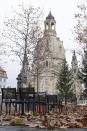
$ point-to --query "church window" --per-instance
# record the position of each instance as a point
(46, 82)
(4, 80)
(74, 70)
(4, 86)
(52, 26)
(46, 63)
(47, 26)
(0, 88)
(0, 79)
(46, 85)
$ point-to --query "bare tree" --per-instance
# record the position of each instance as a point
(22, 31)
(81, 27)
(81, 38)
(37, 64)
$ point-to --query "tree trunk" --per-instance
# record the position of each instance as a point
(37, 80)
(65, 100)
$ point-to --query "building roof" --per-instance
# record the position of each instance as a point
(3, 73)
(1, 69)
(50, 16)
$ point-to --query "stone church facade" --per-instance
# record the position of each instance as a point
(48, 57)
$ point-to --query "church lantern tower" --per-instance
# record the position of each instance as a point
(50, 25)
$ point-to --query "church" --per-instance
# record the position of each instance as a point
(49, 55)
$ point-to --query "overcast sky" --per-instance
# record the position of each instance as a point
(62, 10)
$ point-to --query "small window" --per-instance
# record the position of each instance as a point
(4, 86)
(74, 70)
(0, 88)
(52, 26)
(46, 82)
(0, 79)
(4, 80)
(46, 85)
(46, 63)
(47, 26)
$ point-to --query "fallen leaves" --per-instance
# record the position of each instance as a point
(75, 118)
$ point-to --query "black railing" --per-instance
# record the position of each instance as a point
(27, 99)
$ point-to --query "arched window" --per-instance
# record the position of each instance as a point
(46, 63)
(47, 26)
(74, 70)
(52, 26)
(46, 85)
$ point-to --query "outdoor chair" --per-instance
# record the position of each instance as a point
(40, 102)
(60, 105)
(52, 102)
(8, 98)
(26, 98)
(29, 99)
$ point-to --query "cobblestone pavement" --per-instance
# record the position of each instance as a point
(37, 129)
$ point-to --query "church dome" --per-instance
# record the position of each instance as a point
(50, 16)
